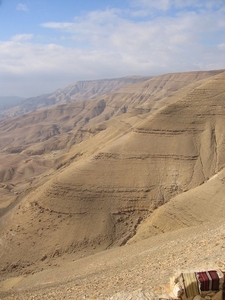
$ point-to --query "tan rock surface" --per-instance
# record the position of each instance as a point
(139, 270)
(153, 170)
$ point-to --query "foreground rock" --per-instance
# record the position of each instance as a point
(139, 270)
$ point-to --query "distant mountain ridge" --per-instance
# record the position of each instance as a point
(40, 131)
(81, 90)
(9, 101)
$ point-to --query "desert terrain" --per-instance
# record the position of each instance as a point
(107, 188)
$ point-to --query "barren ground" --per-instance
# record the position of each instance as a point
(107, 198)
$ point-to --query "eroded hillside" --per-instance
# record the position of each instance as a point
(84, 176)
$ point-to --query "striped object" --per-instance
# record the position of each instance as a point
(191, 285)
(197, 282)
(208, 280)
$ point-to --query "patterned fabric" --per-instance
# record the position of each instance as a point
(191, 285)
(209, 280)
(196, 282)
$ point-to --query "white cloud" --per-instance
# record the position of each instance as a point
(159, 4)
(110, 30)
(22, 37)
(22, 7)
(222, 46)
(57, 25)
(113, 43)
(167, 4)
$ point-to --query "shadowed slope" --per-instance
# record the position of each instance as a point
(198, 206)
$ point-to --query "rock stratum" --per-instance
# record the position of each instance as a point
(138, 167)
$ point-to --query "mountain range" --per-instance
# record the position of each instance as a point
(105, 166)
(81, 90)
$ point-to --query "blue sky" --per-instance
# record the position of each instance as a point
(45, 45)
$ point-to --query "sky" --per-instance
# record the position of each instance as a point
(49, 44)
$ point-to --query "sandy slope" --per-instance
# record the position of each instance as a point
(205, 203)
(139, 271)
(103, 191)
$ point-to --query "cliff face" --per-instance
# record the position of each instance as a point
(123, 169)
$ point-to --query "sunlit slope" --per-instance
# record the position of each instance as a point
(33, 143)
(119, 176)
(151, 94)
(178, 149)
(99, 200)
(199, 117)
(205, 203)
(40, 142)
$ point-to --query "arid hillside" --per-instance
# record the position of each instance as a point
(140, 162)
(81, 90)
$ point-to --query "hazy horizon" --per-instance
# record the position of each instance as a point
(45, 47)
